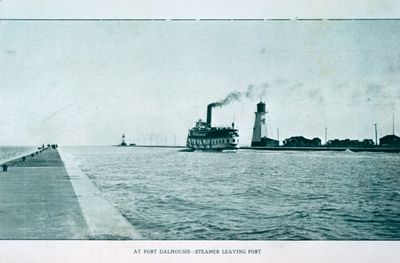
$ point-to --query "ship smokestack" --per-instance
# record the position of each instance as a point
(251, 93)
(209, 114)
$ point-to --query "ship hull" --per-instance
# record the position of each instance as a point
(206, 138)
(209, 144)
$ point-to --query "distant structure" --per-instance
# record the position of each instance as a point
(123, 142)
(390, 141)
(300, 141)
(366, 143)
(260, 138)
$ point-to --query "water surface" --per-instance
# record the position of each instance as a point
(259, 195)
(9, 152)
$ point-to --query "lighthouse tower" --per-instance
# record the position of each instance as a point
(260, 128)
(123, 142)
(260, 136)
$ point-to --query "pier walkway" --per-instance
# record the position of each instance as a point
(39, 199)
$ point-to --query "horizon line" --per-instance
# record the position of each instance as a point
(202, 19)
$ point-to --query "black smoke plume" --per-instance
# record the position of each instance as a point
(252, 92)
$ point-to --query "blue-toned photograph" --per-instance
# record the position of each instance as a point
(200, 129)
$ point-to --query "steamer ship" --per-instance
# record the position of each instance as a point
(205, 137)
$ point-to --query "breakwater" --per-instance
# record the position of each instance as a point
(285, 148)
(323, 148)
(154, 146)
(41, 200)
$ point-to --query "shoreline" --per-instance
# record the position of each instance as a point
(45, 196)
(283, 148)
(103, 219)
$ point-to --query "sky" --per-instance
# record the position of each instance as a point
(87, 82)
(199, 8)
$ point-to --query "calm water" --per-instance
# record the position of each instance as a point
(9, 152)
(168, 194)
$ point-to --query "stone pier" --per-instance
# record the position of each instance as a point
(39, 199)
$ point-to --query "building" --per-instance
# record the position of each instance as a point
(267, 142)
(300, 141)
(391, 141)
(366, 143)
(260, 137)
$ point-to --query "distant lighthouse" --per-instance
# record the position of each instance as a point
(123, 142)
(260, 129)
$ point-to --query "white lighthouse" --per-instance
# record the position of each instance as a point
(123, 142)
(260, 128)
(260, 136)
